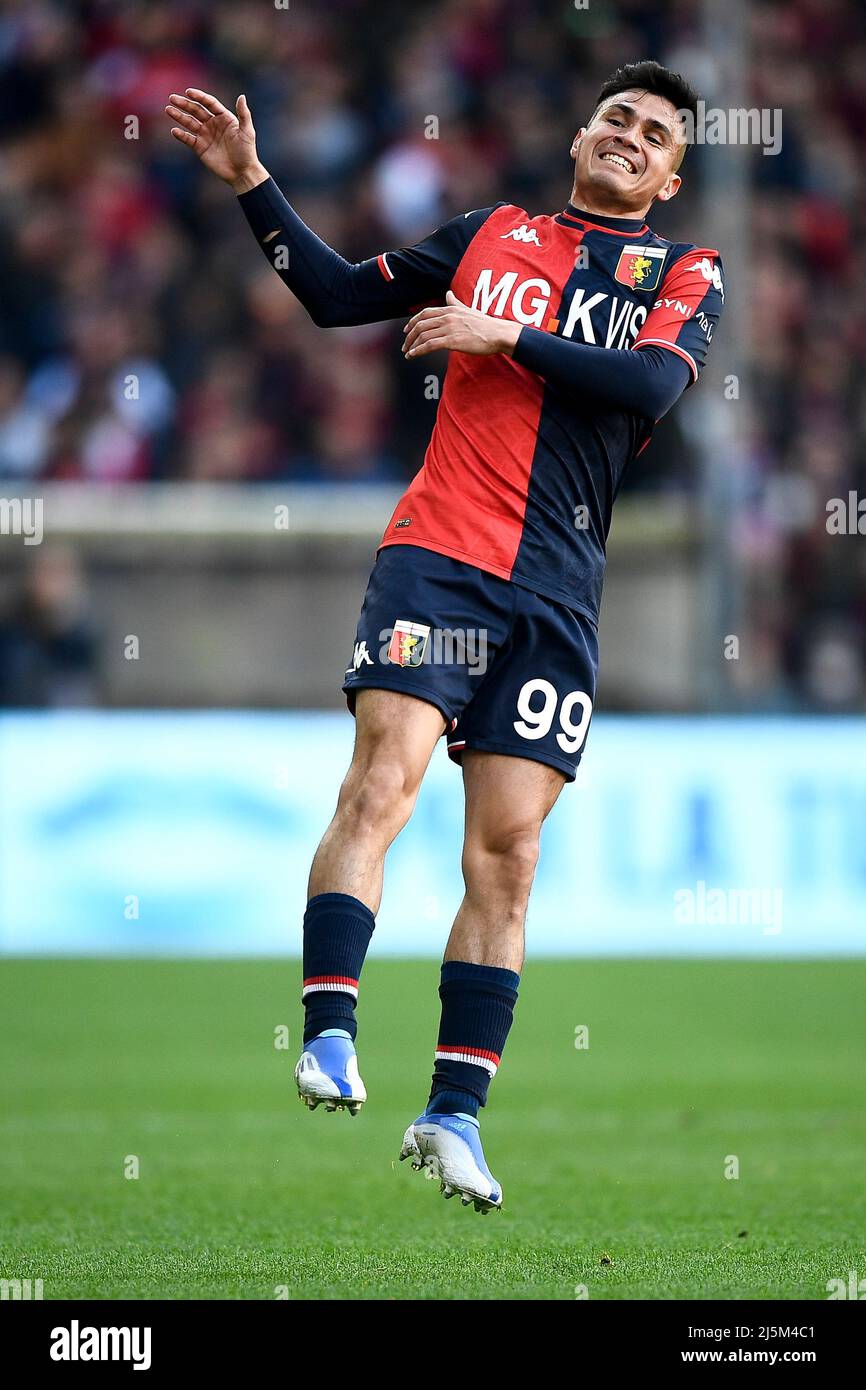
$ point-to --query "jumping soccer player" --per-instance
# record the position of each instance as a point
(570, 336)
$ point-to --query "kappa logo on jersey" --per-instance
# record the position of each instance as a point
(528, 235)
(408, 643)
(710, 272)
(640, 267)
(359, 657)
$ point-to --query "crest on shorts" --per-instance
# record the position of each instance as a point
(408, 643)
(640, 267)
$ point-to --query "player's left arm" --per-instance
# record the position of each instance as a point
(673, 342)
(689, 305)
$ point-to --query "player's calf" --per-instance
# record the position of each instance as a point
(395, 737)
(477, 1010)
(337, 932)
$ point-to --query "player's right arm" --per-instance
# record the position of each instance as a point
(335, 292)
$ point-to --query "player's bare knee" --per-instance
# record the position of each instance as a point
(504, 860)
(377, 799)
(519, 861)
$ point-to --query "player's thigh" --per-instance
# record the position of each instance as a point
(507, 798)
(397, 732)
(395, 735)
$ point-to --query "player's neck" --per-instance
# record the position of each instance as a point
(602, 208)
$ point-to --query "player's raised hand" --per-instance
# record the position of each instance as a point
(225, 141)
(455, 326)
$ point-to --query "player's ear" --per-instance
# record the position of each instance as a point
(670, 189)
(575, 144)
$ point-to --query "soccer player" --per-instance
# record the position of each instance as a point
(570, 335)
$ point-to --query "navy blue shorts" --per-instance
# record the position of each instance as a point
(511, 672)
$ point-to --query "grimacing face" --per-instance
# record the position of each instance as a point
(628, 154)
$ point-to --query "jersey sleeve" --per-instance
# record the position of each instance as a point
(339, 293)
(690, 304)
(646, 385)
(425, 271)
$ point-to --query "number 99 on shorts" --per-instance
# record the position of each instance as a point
(541, 709)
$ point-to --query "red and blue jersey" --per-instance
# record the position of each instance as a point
(520, 475)
(529, 450)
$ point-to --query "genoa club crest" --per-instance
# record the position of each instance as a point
(408, 643)
(640, 267)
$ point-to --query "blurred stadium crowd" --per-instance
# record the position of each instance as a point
(122, 262)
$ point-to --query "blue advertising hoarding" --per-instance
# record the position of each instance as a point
(192, 833)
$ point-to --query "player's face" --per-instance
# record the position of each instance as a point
(627, 156)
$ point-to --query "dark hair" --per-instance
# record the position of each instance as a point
(650, 76)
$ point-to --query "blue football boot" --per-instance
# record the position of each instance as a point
(327, 1073)
(448, 1147)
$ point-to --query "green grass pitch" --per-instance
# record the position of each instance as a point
(612, 1157)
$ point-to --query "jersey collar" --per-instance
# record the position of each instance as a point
(620, 226)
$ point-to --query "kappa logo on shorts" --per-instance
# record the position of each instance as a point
(408, 643)
(360, 656)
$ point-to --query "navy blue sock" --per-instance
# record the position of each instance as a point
(477, 1011)
(337, 931)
